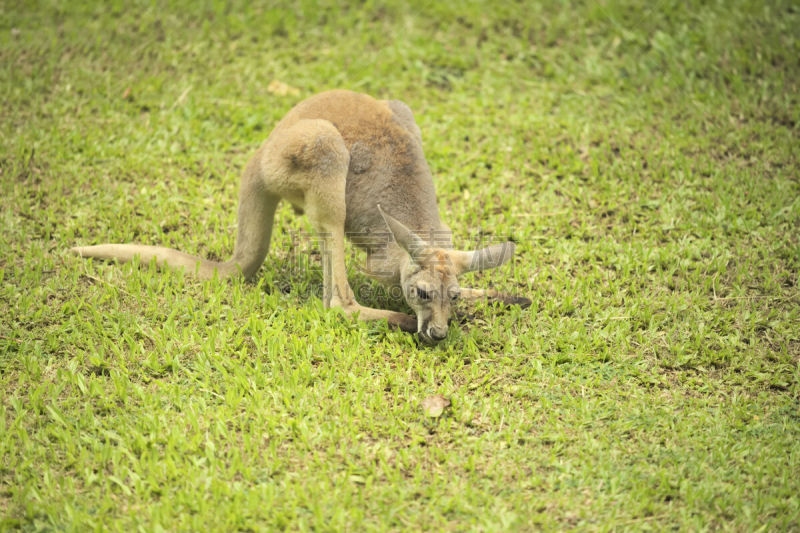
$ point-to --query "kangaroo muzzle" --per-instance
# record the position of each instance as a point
(432, 334)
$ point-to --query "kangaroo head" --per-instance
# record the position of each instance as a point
(429, 277)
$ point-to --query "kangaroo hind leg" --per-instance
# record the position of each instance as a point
(318, 162)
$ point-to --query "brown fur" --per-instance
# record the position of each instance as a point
(338, 157)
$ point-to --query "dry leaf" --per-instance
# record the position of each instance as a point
(435, 405)
(282, 89)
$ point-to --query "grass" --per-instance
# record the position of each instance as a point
(643, 155)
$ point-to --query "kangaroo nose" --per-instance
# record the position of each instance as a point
(437, 334)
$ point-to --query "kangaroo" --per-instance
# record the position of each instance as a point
(355, 166)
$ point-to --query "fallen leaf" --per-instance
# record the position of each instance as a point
(282, 89)
(435, 405)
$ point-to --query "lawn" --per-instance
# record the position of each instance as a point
(643, 155)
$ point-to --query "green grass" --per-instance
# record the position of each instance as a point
(643, 155)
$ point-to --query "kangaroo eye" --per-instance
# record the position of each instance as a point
(455, 296)
(423, 295)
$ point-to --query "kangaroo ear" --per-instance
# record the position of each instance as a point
(406, 238)
(490, 257)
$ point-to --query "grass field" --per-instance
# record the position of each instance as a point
(643, 155)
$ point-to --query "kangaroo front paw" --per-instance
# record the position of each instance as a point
(509, 299)
(403, 321)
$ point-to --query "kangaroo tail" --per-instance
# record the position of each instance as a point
(256, 213)
(202, 268)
